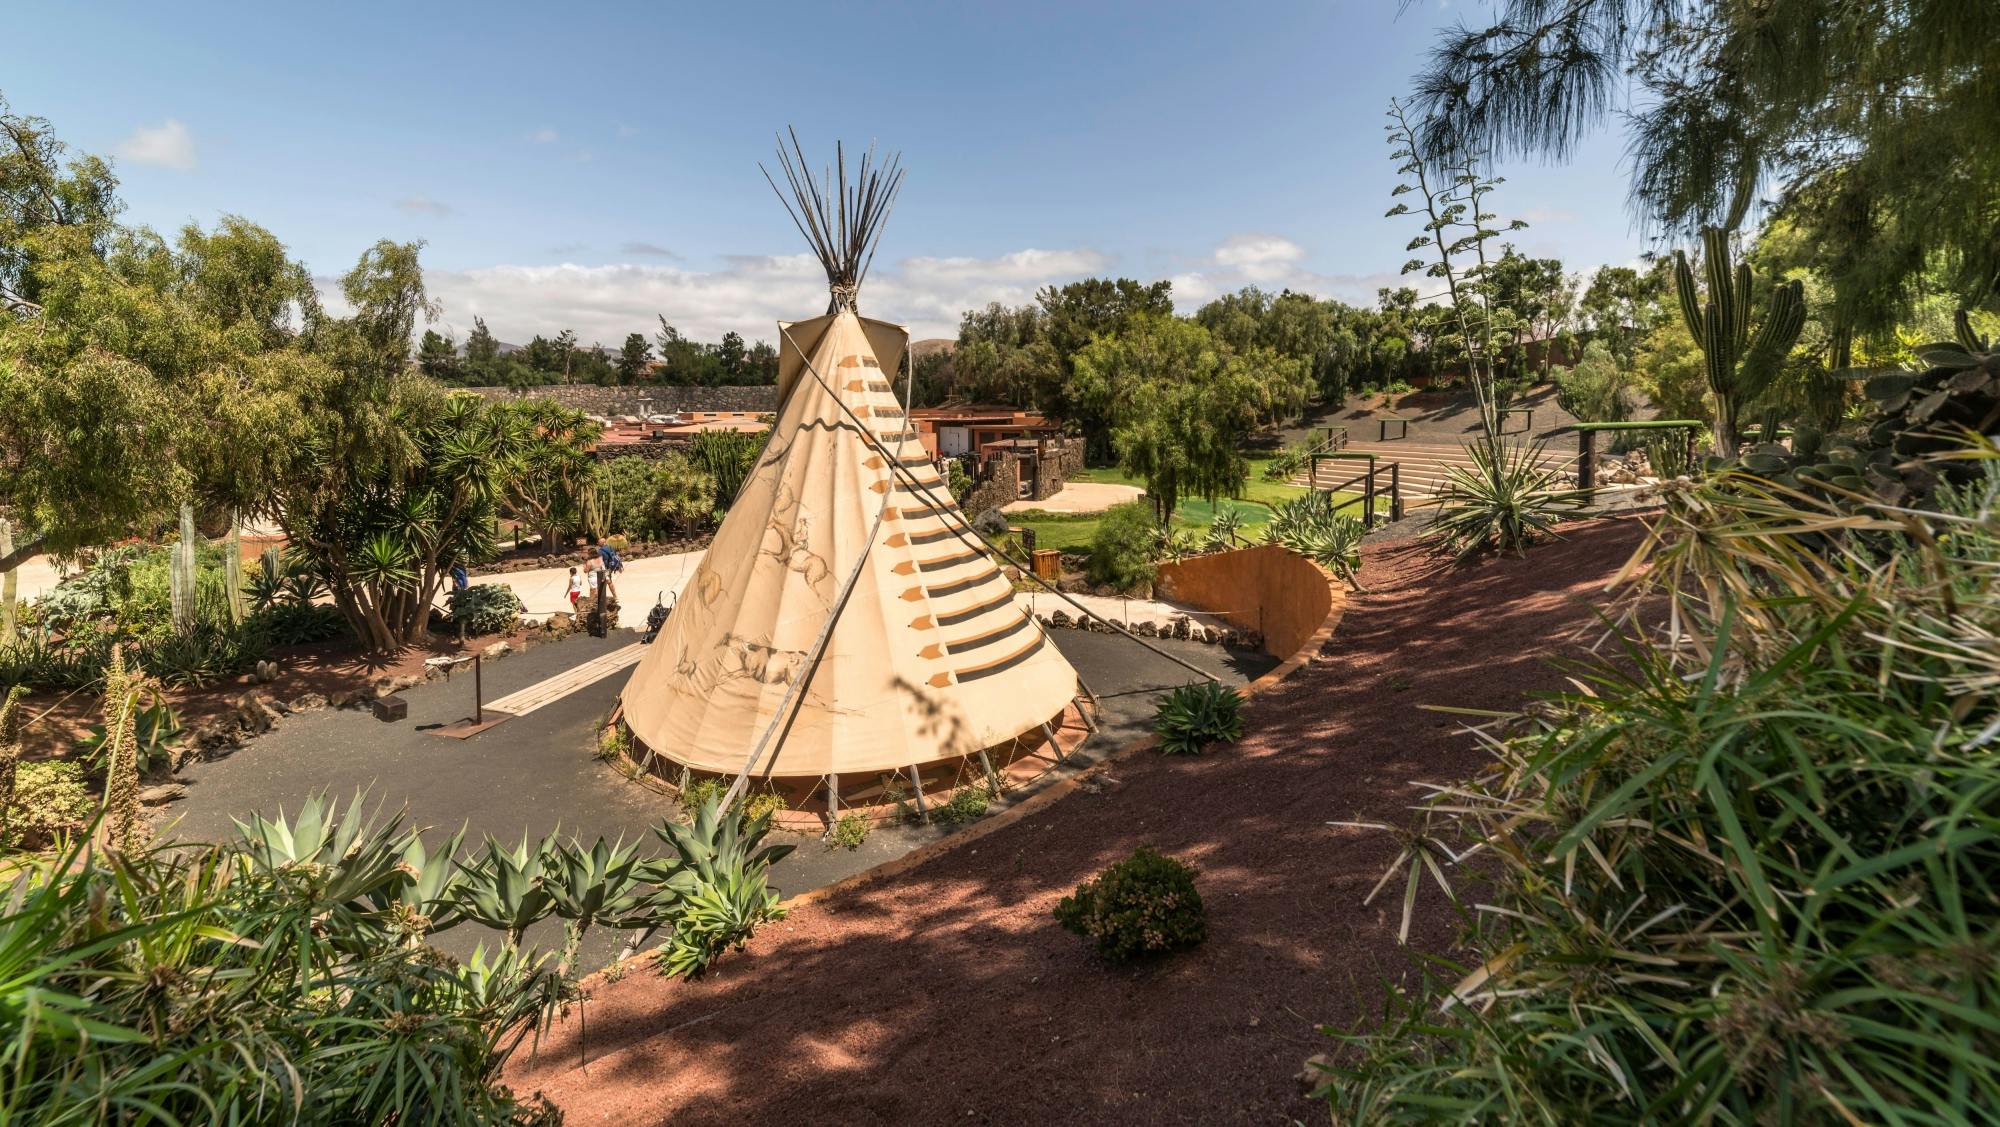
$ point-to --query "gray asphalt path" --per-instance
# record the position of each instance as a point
(535, 774)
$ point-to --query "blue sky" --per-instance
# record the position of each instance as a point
(590, 165)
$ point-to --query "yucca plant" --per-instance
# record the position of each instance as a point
(1508, 500)
(1745, 873)
(1193, 716)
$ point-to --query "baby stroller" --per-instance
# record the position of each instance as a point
(657, 617)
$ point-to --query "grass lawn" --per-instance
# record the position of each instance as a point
(1074, 532)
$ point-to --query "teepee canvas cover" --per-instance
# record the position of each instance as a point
(836, 620)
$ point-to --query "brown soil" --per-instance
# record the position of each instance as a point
(948, 991)
(58, 719)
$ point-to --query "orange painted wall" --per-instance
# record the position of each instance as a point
(1279, 593)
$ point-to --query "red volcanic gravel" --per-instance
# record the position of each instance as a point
(948, 993)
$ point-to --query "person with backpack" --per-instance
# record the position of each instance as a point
(610, 563)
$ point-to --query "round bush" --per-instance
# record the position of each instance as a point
(1143, 905)
(486, 608)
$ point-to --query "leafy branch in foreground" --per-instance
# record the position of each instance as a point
(288, 975)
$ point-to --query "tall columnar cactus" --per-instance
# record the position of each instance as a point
(10, 750)
(181, 586)
(232, 571)
(10, 586)
(121, 741)
(1740, 364)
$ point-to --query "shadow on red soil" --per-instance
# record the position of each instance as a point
(950, 993)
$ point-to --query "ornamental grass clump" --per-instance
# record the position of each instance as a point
(1143, 905)
(1194, 716)
(1746, 873)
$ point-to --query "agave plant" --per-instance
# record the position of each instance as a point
(606, 884)
(1310, 526)
(505, 889)
(1225, 528)
(1507, 501)
(1194, 716)
(721, 881)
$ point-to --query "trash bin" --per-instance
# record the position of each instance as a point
(1048, 563)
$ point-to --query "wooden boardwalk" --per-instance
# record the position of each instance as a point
(568, 681)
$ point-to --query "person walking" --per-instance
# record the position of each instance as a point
(609, 563)
(575, 589)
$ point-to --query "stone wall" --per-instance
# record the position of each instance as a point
(1000, 486)
(1269, 589)
(594, 400)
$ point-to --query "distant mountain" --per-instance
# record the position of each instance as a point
(922, 348)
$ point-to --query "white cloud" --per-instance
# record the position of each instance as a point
(748, 294)
(167, 145)
(650, 250)
(545, 136)
(1271, 263)
(1260, 258)
(423, 205)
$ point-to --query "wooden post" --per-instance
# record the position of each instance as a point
(1055, 746)
(992, 779)
(917, 781)
(1368, 498)
(1586, 459)
(832, 800)
(478, 694)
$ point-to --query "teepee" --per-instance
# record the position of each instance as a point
(844, 624)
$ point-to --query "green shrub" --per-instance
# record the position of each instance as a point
(1743, 875)
(849, 832)
(287, 623)
(967, 804)
(764, 804)
(1143, 905)
(1122, 551)
(204, 655)
(613, 740)
(727, 457)
(700, 792)
(51, 798)
(656, 498)
(1194, 716)
(1507, 501)
(485, 608)
(1596, 390)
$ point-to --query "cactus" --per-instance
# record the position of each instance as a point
(181, 588)
(122, 828)
(1740, 364)
(10, 587)
(232, 571)
(10, 749)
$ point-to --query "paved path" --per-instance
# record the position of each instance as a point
(536, 773)
(569, 681)
(545, 590)
(1080, 497)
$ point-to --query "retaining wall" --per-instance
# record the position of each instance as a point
(659, 399)
(1276, 592)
